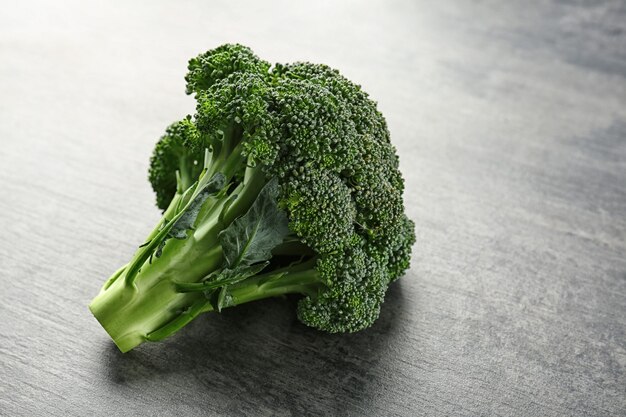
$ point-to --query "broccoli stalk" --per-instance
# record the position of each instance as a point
(283, 182)
(181, 272)
(165, 286)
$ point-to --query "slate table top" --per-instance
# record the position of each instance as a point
(510, 119)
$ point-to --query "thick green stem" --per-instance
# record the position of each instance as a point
(145, 252)
(161, 231)
(141, 300)
(130, 314)
(141, 297)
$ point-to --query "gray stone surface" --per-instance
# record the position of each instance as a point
(510, 118)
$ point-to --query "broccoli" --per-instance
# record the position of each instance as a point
(283, 182)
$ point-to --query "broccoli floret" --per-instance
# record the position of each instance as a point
(284, 181)
(173, 154)
(218, 63)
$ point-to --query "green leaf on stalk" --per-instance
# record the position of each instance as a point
(222, 278)
(178, 230)
(215, 286)
(251, 238)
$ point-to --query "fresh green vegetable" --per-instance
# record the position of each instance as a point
(283, 182)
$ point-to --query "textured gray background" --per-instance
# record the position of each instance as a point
(510, 118)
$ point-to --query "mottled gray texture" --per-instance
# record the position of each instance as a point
(510, 118)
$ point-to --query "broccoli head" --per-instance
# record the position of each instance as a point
(284, 181)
